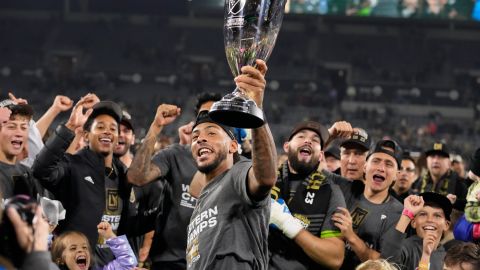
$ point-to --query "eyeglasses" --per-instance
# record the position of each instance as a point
(408, 170)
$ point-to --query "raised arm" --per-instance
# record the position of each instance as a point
(392, 240)
(60, 104)
(143, 170)
(262, 176)
(124, 257)
(49, 166)
(339, 129)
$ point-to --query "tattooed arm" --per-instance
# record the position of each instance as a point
(262, 176)
(142, 170)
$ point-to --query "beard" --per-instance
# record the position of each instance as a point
(121, 151)
(302, 167)
(207, 168)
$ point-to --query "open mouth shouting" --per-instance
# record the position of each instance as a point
(17, 144)
(81, 262)
(377, 178)
(204, 152)
(305, 151)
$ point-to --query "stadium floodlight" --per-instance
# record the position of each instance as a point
(136, 78)
(351, 91)
(377, 90)
(415, 92)
(274, 85)
(454, 95)
(6, 71)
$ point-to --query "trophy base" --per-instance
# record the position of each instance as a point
(237, 112)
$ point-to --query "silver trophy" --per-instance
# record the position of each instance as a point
(250, 30)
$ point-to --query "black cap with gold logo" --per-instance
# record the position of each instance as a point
(438, 148)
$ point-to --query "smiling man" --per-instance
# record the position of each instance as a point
(14, 177)
(91, 184)
(229, 225)
(306, 238)
(126, 138)
(175, 168)
(368, 225)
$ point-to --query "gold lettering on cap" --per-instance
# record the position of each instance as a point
(437, 146)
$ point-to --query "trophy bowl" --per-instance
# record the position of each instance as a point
(250, 30)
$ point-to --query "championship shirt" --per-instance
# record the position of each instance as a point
(177, 167)
(228, 230)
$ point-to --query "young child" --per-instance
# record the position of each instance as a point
(72, 251)
(465, 256)
(429, 215)
(379, 264)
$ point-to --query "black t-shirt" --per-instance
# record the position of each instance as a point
(178, 168)
(17, 179)
(111, 214)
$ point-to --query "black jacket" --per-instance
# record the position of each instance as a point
(78, 181)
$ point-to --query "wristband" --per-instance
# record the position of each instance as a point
(408, 213)
(423, 266)
(476, 231)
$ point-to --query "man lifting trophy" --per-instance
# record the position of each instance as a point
(250, 30)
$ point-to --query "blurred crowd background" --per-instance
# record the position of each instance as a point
(414, 79)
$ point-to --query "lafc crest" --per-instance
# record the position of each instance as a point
(358, 216)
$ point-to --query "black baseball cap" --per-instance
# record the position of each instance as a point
(313, 126)
(17, 109)
(475, 162)
(389, 147)
(204, 117)
(406, 155)
(359, 139)
(104, 107)
(438, 200)
(127, 120)
(438, 148)
(332, 151)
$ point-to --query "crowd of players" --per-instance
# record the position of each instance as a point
(220, 198)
